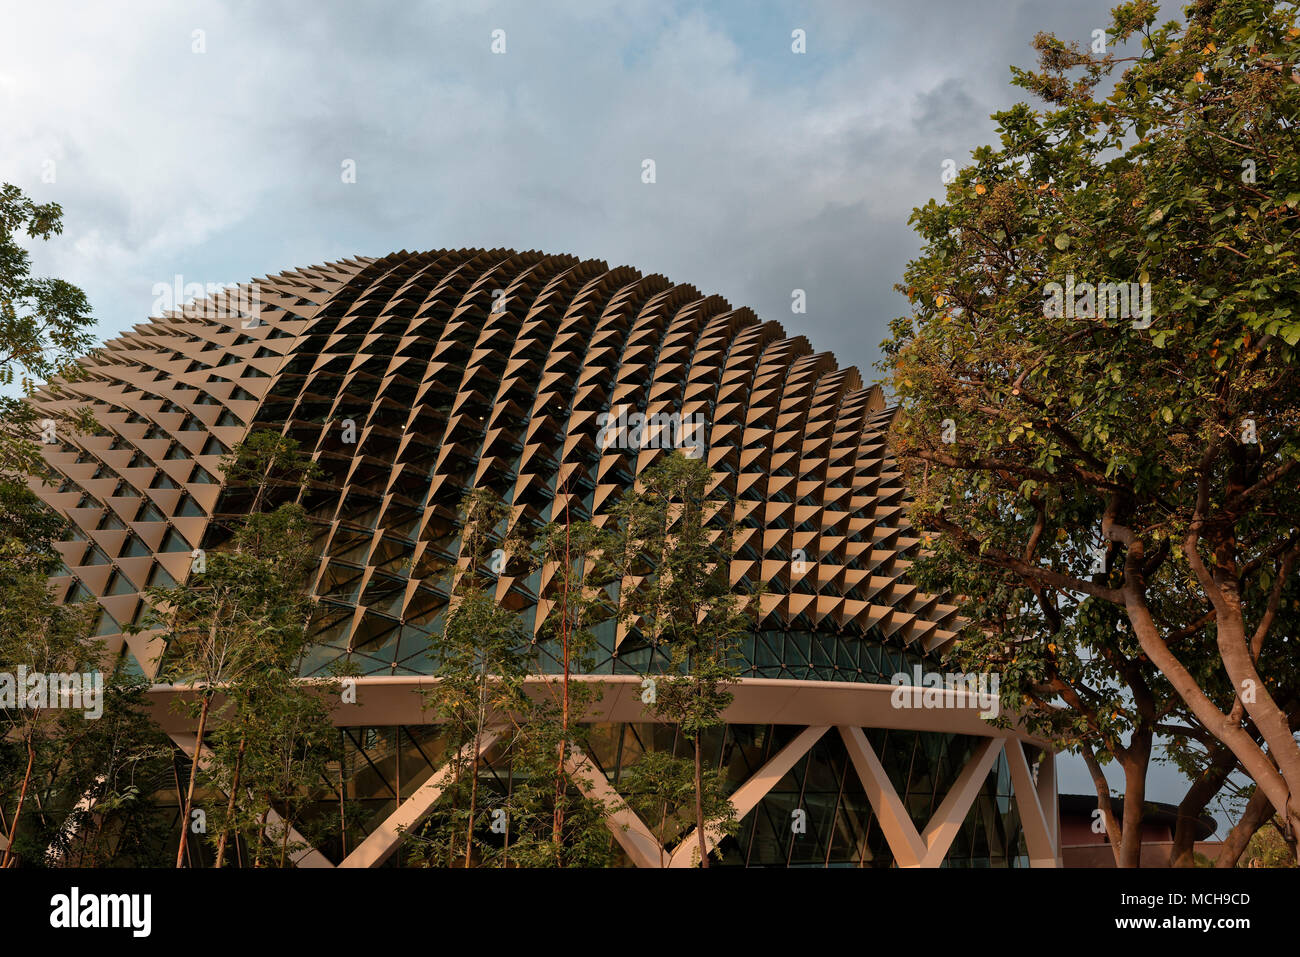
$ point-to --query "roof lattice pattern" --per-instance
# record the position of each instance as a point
(491, 368)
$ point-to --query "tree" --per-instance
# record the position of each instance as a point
(573, 554)
(663, 789)
(1213, 770)
(87, 774)
(1270, 846)
(481, 666)
(550, 818)
(1098, 383)
(241, 612)
(38, 637)
(1075, 676)
(672, 554)
(546, 817)
(44, 325)
(41, 639)
(269, 462)
(99, 804)
(274, 755)
(83, 765)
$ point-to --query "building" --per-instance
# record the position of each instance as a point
(415, 376)
(1084, 842)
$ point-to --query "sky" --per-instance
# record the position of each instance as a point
(210, 140)
(774, 170)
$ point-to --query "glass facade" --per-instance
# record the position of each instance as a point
(381, 765)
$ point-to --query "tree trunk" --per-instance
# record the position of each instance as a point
(473, 785)
(1258, 810)
(557, 821)
(261, 837)
(90, 841)
(230, 805)
(194, 774)
(699, 803)
(22, 796)
(455, 806)
(1280, 781)
(1135, 792)
(1104, 802)
(473, 806)
(1182, 852)
(343, 817)
(284, 840)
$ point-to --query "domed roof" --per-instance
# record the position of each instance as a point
(549, 379)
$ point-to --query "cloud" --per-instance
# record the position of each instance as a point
(775, 170)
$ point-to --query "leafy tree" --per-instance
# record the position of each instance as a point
(87, 775)
(44, 330)
(482, 662)
(271, 751)
(574, 552)
(1074, 675)
(37, 637)
(39, 739)
(268, 462)
(1270, 846)
(77, 782)
(282, 742)
(547, 824)
(672, 554)
(663, 789)
(242, 612)
(545, 817)
(106, 773)
(28, 530)
(1112, 466)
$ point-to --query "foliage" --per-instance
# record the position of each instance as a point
(266, 460)
(1116, 498)
(41, 638)
(572, 554)
(273, 756)
(73, 782)
(481, 666)
(234, 626)
(96, 807)
(44, 325)
(672, 551)
(1268, 847)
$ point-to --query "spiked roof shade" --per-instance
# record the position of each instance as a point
(493, 368)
